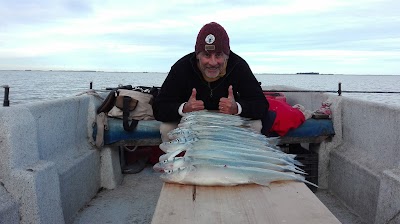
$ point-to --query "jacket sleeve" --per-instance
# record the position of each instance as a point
(170, 97)
(251, 97)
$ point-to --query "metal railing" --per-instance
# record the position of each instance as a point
(6, 101)
(339, 91)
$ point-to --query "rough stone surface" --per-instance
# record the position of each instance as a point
(8, 208)
(111, 174)
(132, 202)
(46, 162)
(136, 199)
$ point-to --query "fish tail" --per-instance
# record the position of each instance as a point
(299, 169)
(303, 179)
(310, 183)
(296, 162)
(295, 169)
(291, 160)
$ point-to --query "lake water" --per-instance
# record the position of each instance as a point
(31, 86)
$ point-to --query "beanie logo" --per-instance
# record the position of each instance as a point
(210, 39)
(209, 47)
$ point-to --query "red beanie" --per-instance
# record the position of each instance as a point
(212, 38)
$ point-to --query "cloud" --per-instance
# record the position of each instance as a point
(25, 12)
(271, 35)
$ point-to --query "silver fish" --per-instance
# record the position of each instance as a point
(218, 133)
(205, 114)
(185, 142)
(211, 175)
(223, 148)
(216, 153)
(186, 161)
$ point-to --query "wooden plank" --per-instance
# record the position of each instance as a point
(282, 140)
(297, 140)
(138, 142)
(281, 202)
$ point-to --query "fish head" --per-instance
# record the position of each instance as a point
(169, 164)
(169, 148)
(175, 176)
(172, 145)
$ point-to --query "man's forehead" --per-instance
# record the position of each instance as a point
(211, 52)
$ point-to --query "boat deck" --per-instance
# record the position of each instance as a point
(136, 199)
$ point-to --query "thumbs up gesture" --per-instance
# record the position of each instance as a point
(228, 105)
(193, 104)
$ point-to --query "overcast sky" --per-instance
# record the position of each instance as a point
(278, 36)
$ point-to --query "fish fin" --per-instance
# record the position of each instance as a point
(259, 181)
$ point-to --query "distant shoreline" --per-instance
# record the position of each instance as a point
(255, 73)
(40, 70)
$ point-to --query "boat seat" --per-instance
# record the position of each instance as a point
(311, 131)
(147, 133)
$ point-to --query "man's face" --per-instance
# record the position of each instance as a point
(211, 64)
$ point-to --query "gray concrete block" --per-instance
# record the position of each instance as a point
(60, 124)
(18, 139)
(37, 188)
(372, 129)
(8, 208)
(80, 181)
(111, 174)
(355, 185)
(388, 210)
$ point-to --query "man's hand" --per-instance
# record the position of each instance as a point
(193, 104)
(228, 105)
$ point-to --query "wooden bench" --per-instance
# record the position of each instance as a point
(281, 202)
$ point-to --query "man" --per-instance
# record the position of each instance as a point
(212, 78)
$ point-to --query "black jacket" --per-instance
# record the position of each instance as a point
(185, 75)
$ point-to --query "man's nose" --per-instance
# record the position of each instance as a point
(213, 60)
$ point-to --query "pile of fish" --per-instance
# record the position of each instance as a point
(221, 150)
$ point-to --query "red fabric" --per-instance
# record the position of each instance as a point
(275, 95)
(155, 154)
(287, 117)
